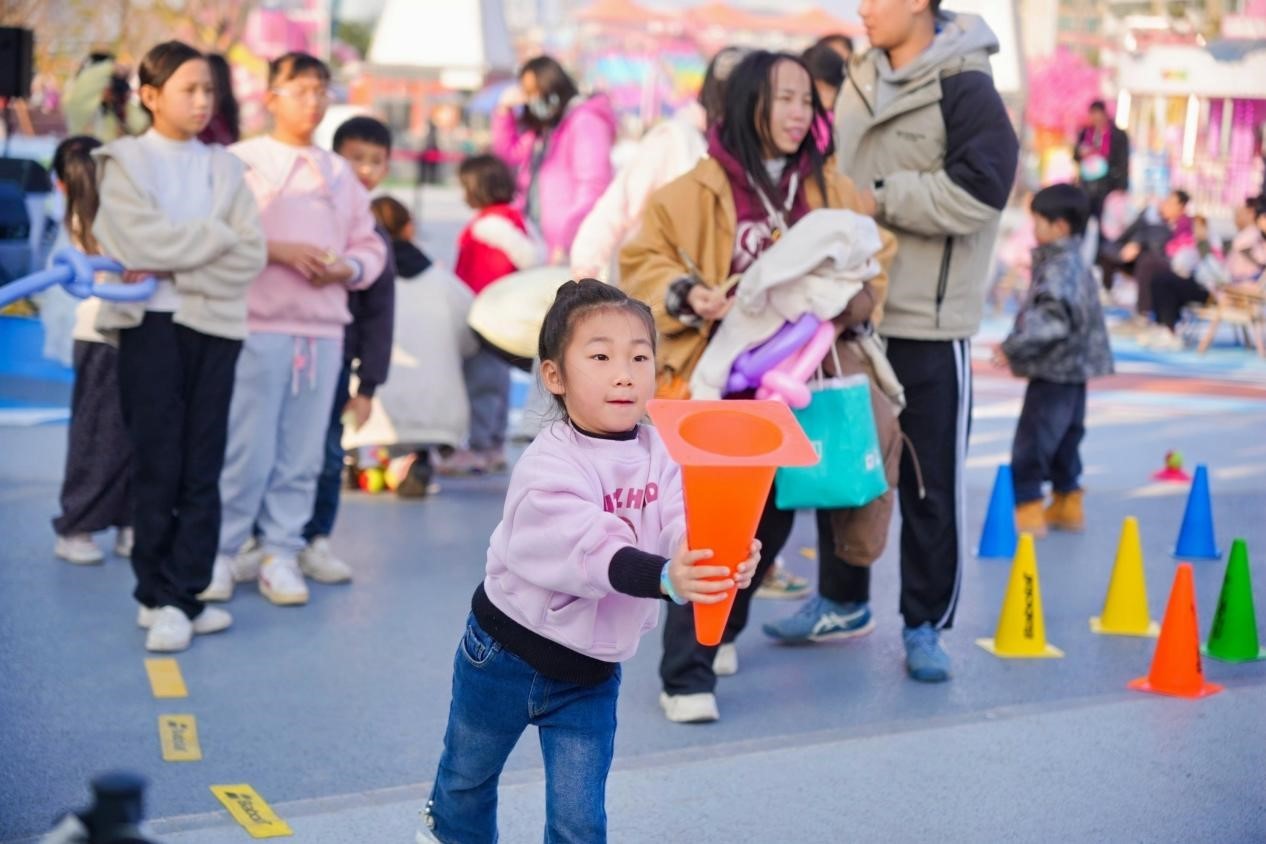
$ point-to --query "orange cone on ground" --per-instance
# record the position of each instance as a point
(728, 451)
(1176, 668)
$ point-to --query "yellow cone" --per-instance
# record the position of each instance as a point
(1021, 632)
(1125, 607)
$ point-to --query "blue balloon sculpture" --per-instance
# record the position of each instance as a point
(76, 272)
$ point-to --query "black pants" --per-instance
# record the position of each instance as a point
(1047, 444)
(97, 485)
(1171, 292)
(686, 667)
(1148, 267)
(176, 384)
(936, 375)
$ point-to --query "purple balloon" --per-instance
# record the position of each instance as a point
(751, 365)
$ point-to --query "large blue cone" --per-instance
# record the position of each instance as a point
(998, 539)
(1195, 539)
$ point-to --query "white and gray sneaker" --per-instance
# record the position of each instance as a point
(124, 542)
(221, 586)
(700, 708)
(725, 663)
(171, 630)
(246, 562)
(281, 581)
(78, 548)
(210, 620)
(318, 562)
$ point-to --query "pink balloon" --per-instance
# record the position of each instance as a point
(788, 381)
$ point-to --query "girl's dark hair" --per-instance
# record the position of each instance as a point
(749, 99)
(551, 81)
(712, 92)
(162, 61)
(225, 101)
(391, 215)
(1063, 202)
(825, 64)
(487, 180)
(76, 170)
(294, 64)
(575, 300)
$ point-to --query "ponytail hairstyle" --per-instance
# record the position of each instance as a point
(749, 101)
(77, 171)
(161, 62)
(576, 300)
(391, 214)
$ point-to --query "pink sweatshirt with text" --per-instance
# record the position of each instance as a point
(307, 195)
(572, 503)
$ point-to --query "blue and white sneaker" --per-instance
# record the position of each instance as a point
(821, 620)
(926, 660)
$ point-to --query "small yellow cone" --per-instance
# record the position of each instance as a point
(1021, 632)
(1125, 607)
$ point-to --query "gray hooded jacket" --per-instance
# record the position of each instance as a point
(935, 142)
(1059, 334)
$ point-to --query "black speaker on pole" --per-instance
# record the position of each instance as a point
(17, 59)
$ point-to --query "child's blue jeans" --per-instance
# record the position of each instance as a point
(496, 696)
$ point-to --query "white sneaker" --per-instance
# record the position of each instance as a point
(170, 631)
(210, 620)
(245, 563)
(123, 542)
(698, 708)
(78, 548)
(725, 663)
(221, 586)
(281, 582)
(318, 562)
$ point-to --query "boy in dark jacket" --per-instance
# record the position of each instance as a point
(366, 144)
(1059, 342)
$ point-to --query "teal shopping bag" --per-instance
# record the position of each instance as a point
(840, 423)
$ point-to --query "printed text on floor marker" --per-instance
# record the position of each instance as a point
(179, 737)
(165, 678)
(250, 810)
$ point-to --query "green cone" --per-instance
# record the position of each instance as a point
(1233, 637)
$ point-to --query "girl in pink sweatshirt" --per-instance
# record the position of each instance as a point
(321, 244)
(591, 539)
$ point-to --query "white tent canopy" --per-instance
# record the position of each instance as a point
(458, 41)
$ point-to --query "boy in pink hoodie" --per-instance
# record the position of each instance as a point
(321, 243)
(592, 539)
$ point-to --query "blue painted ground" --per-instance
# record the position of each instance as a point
(335, 711)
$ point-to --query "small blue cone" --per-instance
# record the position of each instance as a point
(998, 539)
(1195, 538)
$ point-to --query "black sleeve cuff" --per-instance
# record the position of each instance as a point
(366, 389)
(635, 572)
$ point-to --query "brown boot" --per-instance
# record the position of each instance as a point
(1029, 518)
(1065, 512)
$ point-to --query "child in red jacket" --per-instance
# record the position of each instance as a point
(494, 244)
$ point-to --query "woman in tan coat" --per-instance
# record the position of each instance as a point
(764, 171)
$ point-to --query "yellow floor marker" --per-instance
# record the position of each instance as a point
(165, 678)
(179, 737)
(251, 811)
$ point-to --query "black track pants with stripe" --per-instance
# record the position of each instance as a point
(936, 375)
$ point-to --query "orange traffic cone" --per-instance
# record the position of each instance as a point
(728, 451)
(1176, 668)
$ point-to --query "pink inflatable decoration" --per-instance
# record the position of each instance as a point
(788, 381)
(750, 367)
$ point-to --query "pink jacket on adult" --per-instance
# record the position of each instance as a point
(576, 168)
